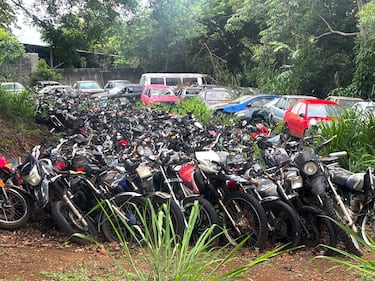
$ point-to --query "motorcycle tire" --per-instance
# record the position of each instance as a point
(247, 218)
(175, 213)
(320, 231)
(367, 227)
(115, 229)
(14, 209)
(207, 217)
(350, 243)
(68, 223)
(284, 224)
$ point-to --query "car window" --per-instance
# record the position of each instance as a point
(190, 80)
(261, 102)
(157, 80)
(328, 110)
(212, 96)
(170, 81)
(281, 103)
(295, 108)
(301, 109)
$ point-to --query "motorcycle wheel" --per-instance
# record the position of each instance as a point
(116, 230)
(175, 213)
(206, 218)
(284, 224)
(14, 209)
(247, 218)
(69, 223)
(321, 232)
(367, 227)
(351, 244)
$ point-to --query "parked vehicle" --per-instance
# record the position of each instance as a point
(38, 85)
(248, 101)
(346, 102)
(299, 117)
(15, 203)
(217, 97)
(188, 92)
(155, 93)
(87, 87)
(242, 214)
(322, 192)
(115, 83)
(256, 114)
(277, 110)
(176, 79)
(58, 90)
(130, 91)
(12, 87)
(364, 107)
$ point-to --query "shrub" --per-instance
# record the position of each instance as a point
(43, 72)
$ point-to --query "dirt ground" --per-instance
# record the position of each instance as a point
(37, 250)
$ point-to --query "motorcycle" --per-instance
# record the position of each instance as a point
(241, 214)
(322, 191)
(15, 206)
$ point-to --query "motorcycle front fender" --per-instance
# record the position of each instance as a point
(318, 185)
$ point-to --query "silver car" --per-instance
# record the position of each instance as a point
(277, 110)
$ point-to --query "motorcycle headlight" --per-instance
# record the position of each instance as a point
(310, 168)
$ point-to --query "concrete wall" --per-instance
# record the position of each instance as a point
(101, 76)
(26, 65)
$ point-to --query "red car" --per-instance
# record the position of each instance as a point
(156, 93)
(306, 112)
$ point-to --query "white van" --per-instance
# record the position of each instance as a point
(176, 79)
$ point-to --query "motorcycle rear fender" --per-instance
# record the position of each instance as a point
(159, 194)
(269, 199)
(318, 185)
(127, 193)
(309, 209)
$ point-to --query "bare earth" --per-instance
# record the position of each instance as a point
(37, 250)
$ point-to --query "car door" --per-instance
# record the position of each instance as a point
(294, 118)
(278, 110)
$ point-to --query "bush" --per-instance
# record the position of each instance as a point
(43, 72)
(21, 105)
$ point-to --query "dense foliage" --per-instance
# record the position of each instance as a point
(305, 47)
(43, 72)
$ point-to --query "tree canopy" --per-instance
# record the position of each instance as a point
(297, 46)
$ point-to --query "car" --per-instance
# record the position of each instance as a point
(188, 92)
(304, 113)
(12, 87)
(364, 108)
(248, 102)
(344, 101)
(129, 91)
(58, 90)
(256, 114)
(87, 87)
(38, 85)
(115, 83)
(158, 93)
(277, 110)
(217, 97)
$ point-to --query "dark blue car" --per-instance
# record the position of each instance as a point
(245, 102)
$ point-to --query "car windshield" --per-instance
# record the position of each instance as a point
(11, 86)
(89, 85)
(161, 92)
(214, 96)
(240, 99)
(347, 102)
(324, 110)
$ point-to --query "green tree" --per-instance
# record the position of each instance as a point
(364, 76)
(11, 50)
(71, 25)
(7, 15)
(43, 72)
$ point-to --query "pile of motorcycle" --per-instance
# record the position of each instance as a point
(117, 162)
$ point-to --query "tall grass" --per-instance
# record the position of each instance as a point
(21, 105)
(165, 256)
(356, 135)
(362, 266)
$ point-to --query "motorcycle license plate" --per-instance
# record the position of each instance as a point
(144, 172)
